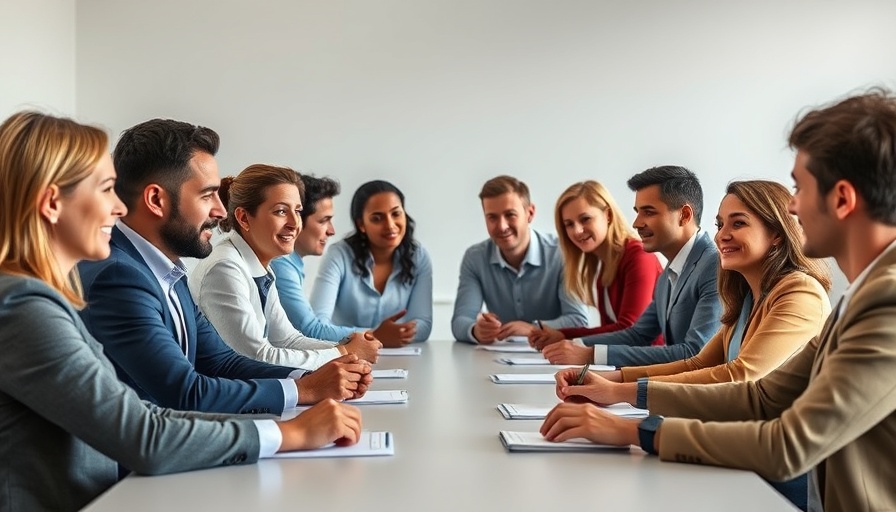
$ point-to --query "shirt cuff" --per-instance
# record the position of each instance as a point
(269, 438)
(641, 400)
(600, 354)
(291, 389)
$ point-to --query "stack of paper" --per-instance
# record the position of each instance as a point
(370, 444)
(505, 347)
(535, 442)
(394, 396)
(539, 412)
(523, 378)
(401, 351)
(396, 373)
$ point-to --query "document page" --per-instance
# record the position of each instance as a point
(539, 412)
(401, 351)
(369, 445)
(535, 442)
(393, 396)
(396, 373)
(523, 378)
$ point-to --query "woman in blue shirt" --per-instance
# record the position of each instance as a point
(378, 274)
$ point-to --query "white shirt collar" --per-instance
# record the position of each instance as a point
(677, 263)
(249, 256)
(857, 282)
(165, 270)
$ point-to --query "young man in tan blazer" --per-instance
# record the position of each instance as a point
(829, 409)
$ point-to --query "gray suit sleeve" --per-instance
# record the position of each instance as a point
(52, 366)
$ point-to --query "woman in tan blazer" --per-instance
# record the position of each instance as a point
(774, 297)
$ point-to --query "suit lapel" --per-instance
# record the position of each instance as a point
(700, 245)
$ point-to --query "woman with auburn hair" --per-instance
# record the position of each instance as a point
(605, 265)
(66, 421)
(379, 273)
(234, 286)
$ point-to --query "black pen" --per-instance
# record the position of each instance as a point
(581, 379)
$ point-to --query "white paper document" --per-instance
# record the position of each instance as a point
(401, 351)
(540, 361)
(369, 445)
(513, 339)
(523, 378)
(396, 373)
(535, 442)
(391, 396)
(506, 347)
(539, 412)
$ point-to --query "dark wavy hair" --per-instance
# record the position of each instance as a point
(359, 242)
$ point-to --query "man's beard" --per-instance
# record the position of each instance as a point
(186, 240)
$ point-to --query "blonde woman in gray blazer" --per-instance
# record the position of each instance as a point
(66, 421)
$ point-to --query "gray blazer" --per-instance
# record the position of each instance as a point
(65, 418)
(693, 319)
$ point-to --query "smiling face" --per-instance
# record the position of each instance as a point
(661, 228)
(86, 217)
(195, 212)
(383, 221)
(743, 239)
(586, 225)
(271, 232)
(507, 220)
(317, 230)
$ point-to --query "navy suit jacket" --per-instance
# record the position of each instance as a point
(127, 311)
(693, 319)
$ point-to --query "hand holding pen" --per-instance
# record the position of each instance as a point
(544, 336)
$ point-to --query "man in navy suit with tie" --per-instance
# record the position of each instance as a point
(138, 303)
(685, 308)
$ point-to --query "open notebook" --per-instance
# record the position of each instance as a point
(396, 373)
(370, 444)
(540, 361)
(507, 347)
(535, 442)
(539, 412)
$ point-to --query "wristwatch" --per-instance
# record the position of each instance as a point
(647, 433)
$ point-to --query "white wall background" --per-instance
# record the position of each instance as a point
(37, 56)
(440, 95)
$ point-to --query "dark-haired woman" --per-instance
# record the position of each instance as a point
(379, 275)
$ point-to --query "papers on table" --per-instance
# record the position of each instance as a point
(390, 396)
(523, 378)
(540, 361)
(505, 347)
(401, 351)
(539, 412)
(397, 373)
(513, 339)
(370, 444)
(535, 442)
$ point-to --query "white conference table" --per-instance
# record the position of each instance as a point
(448, 457)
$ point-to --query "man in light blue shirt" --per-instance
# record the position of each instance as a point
(517, 273)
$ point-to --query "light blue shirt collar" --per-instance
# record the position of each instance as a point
(534, 256)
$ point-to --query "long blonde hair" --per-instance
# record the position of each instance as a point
(36, 151)
(580, 269)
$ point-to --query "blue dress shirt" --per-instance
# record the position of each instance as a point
(536, 292)
(290, 283)
(341, 296)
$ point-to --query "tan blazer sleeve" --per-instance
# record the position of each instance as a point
(791, 314)
(851, 392)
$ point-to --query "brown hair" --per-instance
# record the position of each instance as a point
(854, 140)
(580, 269)
(249, 189)
(500, 185)
(37, 151)
(768, 200)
